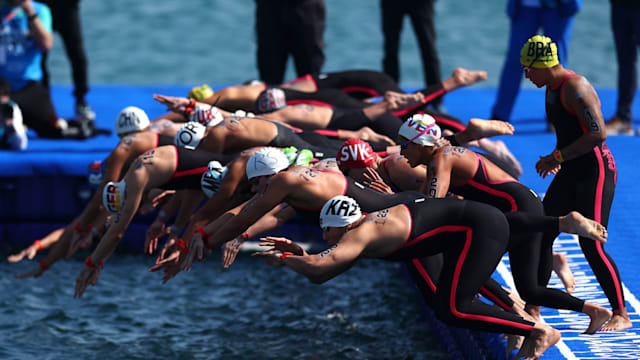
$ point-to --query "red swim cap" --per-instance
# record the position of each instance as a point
(355, 154)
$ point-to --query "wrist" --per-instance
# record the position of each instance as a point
(245, 236)
(284, 256)
(205, 237)
(162, 215)
(79, 229)
(182, 245)
(557, 155)
(175, 229)
(43, 265)
(38, 243)
(89, 263)
(32, 17)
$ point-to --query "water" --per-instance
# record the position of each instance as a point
(212, 41)
(251, 311)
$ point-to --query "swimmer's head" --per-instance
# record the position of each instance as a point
(355, 154)
(201, 92)
(420, 129)
(539, 52)
(270, 100)
(114, 195)
(298, 157)
(206, 115)
(266, 161)
(96, 174)
(190, 135)
(212, 178)
(131, 119)
(340, 211)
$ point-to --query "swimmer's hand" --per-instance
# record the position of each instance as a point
(30, 252)
(168, 251)
(173, 103)
(230, 250)
(282, 244)
(196, 251)
(156, 230)
(158, 200)
(547, 165)
(271, 257)
(88, 276)
(375, 182)
(79, 240)
(33, 273)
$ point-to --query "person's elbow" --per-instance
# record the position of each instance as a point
(46, 43)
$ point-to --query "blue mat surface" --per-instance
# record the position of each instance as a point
(44, 187)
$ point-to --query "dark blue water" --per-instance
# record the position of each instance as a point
(251, 311)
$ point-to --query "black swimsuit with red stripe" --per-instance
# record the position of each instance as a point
(585, 184)
(191, 164)
(531, 259)
(472, 237)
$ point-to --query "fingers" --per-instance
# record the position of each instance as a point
(17, 257)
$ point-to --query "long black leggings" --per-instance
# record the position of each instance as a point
(587, 185)
(472, 238)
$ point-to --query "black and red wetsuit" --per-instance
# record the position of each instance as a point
(531, 259)
(585, 184)
(472, 238)
(190, 165)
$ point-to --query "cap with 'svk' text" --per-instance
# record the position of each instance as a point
(355, 154)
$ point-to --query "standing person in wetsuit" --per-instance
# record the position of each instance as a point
(472, 176)
(584, 168)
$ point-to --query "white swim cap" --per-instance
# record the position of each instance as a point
(131, 119)
(266, 161)
(212, 178)
(421, 129)
(270, 100)
(339, 211)
(206, 115)
(113, 196)
(189, 135)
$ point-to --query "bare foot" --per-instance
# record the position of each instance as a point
(399, 101)
(617, 322)
(534, 313)
(542, 337)
(598, 315)
(481, 128)
(367, 134)
(464, 77)
(513, 342)
(561, 268)
(575, 223)
(500, 150)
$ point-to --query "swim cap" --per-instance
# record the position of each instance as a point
(355, 154)
(298, 158)
(421, 129)
(200, 92)
(242, 113)
(266, 161)
(270, 100)
(96, 174)
(206, 115)
(113, 196)
(131, 119)
(212, 178)
(539, 52)
(189, 135)
(251, 82)
(339, 211)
